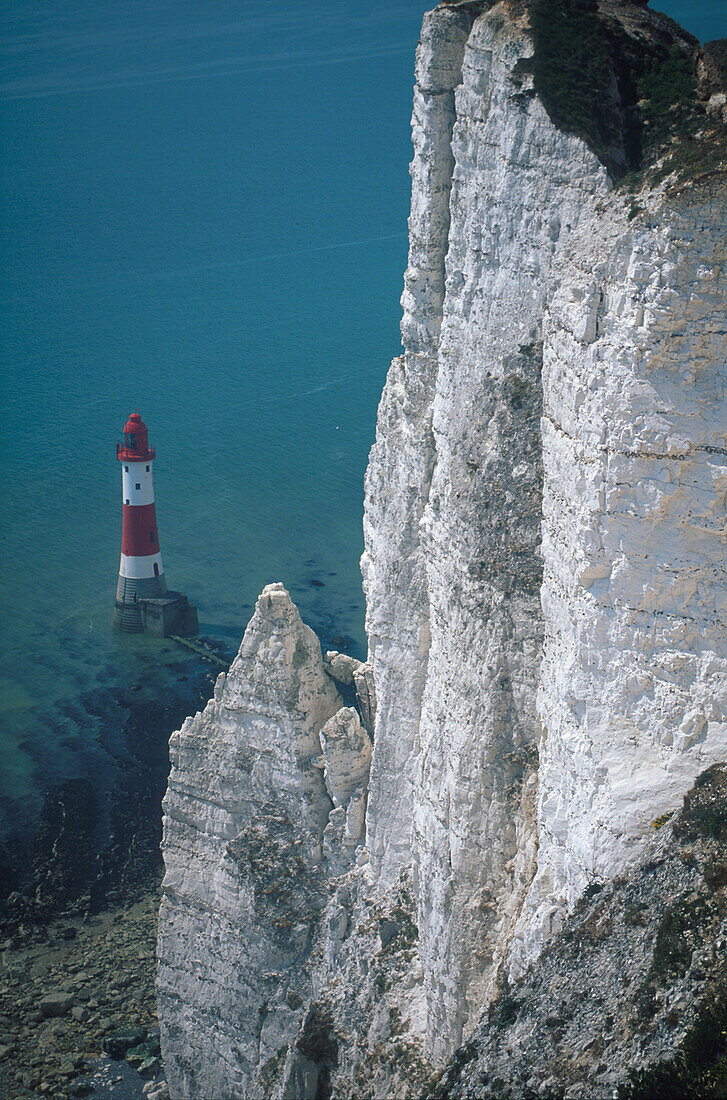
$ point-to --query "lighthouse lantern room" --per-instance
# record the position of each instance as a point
(143, 602)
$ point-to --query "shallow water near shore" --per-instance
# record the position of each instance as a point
(103, 969)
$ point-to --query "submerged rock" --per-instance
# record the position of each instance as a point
(118, 1043)
(56, 1004)
(82, 1086)
(149, 1067)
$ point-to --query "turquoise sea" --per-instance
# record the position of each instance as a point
(204, 218)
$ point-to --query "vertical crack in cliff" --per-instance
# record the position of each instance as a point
(403, 458)
(519, 189)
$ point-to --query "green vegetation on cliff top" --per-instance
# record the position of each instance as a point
(632, 96)
(572, 70)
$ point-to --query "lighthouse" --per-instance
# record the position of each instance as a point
(143, 602)
(141, 573)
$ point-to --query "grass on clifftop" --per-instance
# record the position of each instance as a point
(668, 85)
(634, 99)
(675, 134)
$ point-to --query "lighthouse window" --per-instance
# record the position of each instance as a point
(138, 485)
(148, 469)
(130, 440)
(126, 468)
(126, 502)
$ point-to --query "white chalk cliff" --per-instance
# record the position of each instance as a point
(546, 592)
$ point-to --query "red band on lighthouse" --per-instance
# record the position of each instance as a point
(139, 531)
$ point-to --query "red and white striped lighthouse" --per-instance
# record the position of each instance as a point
(141, 573)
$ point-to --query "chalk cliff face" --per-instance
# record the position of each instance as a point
(633, 683)
(546, 595)
(630, 999)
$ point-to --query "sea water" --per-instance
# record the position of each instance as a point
(204, 218)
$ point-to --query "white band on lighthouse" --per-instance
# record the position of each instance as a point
(137, 483)
(143, 601)
(137, 568)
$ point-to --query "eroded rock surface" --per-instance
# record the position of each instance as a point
(560, 570)
(629, 999)
(633, 683)
(245, 815)
(346, 755)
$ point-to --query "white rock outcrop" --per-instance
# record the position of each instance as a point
(346, 755)
(245, 815)
(519, 189)
(340, 666)
(402, 458)
(546, 268)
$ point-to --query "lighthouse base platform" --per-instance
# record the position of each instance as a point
(169, 614)
(159, 615)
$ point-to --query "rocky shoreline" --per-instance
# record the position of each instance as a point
(78, 923)
(67, 991)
